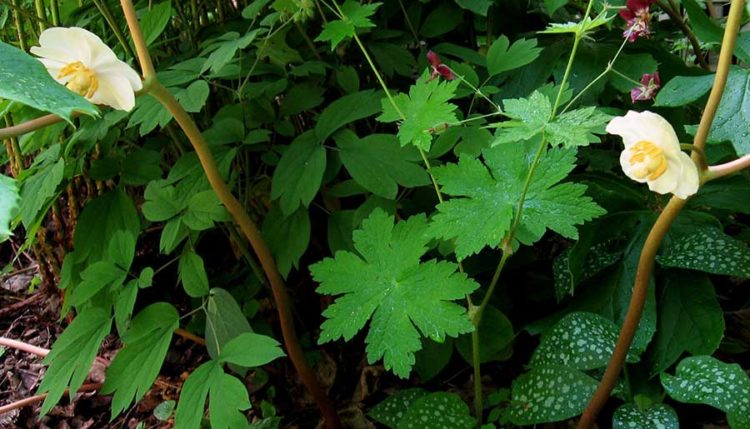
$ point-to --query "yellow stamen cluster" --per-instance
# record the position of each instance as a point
(82, 80)
(648, 160)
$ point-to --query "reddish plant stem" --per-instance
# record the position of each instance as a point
(39, 398)
(190, 336)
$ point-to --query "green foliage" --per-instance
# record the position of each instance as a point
(659, 416)
(155, 20)
(579, 340)
(391, 410)
(136, 365)
(423, 111)
(732, 122)
(549, 394)
(711, 251)
(533, 116)
(386, 284)
(487, 196)
(439, 410)
(72, 354)
(706, 380)
(682, 90)
(353, 16)
(502, 56)
(8, 205)
(287, 236)
(224, 321)
(25, 80)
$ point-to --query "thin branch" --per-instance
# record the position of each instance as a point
(190, 336)
(680, 22)
(29, 126)
(717, 171)
(660, 228)
(39, 398)
(24, 347)
(10, 309)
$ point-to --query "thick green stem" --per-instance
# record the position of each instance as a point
(660, 228)
(240, 215)
(19, 25)
(41, 14)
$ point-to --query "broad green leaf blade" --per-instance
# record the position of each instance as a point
(95, 278)
(502, 56)
(495, 335)
(224, 321)
(379, 163)
(711, 251)
(192, 402)
(345, 110)
(228, 399)
(38, 190)
(389, 284)
(162, 202)
(251, 350)
(433, 357)
(480, 7)
(682, 90)
(439, 410)
(485, 197)
(733, 117)
(25, 80)
(422, 112)
(100, 220)
(226, 49)
(72, 355)
(707, 380)
(9, 199)
(287, 237)
(355, 16)
(155, 20)
(707, 30)
(135, 367)
(392, 409)
(690, 319)
(660, 416)
(299, 174)
(550, 394)
(193, 274)
(204, 210)
(579, 340)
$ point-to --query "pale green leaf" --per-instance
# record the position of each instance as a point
(192, 401)
(155, 20)
(193, 274)
(732, 121)
(9, 199)
(345, 110)
(682, 90)
(224, 321)
(390, 285)
(251, 350)
(355, 16)
(502, 56)
(228, 399)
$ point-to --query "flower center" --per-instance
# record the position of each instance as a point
(82, 79)
(648, 160)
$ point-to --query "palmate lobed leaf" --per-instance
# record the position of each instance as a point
(355, 16)
(424, 109)
(486, 196)
(390, 285)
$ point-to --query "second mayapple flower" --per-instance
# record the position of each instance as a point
(78, 59)
(652, 154)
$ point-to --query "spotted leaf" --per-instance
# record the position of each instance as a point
(392, 409)
(549, 394)
(579, 340)
(660, 416)
(439, 410)
(707, 380)
(711, 251)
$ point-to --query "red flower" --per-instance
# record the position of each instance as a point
(650, 83)
(638, 17)
(438, 68)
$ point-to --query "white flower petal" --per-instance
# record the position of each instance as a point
(114, 91)
(120, 68)
(689, 179)
(648, 126)
(627, 168)
(667, 182)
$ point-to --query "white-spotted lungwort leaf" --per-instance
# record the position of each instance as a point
(579, 340)
(660, 416)
(707, 380)
(550, 394)
(390, 285)
(391, 410)
(709, 250)
(439, 410)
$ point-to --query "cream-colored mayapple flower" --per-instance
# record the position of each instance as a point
(652, 154)
(80, 60)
